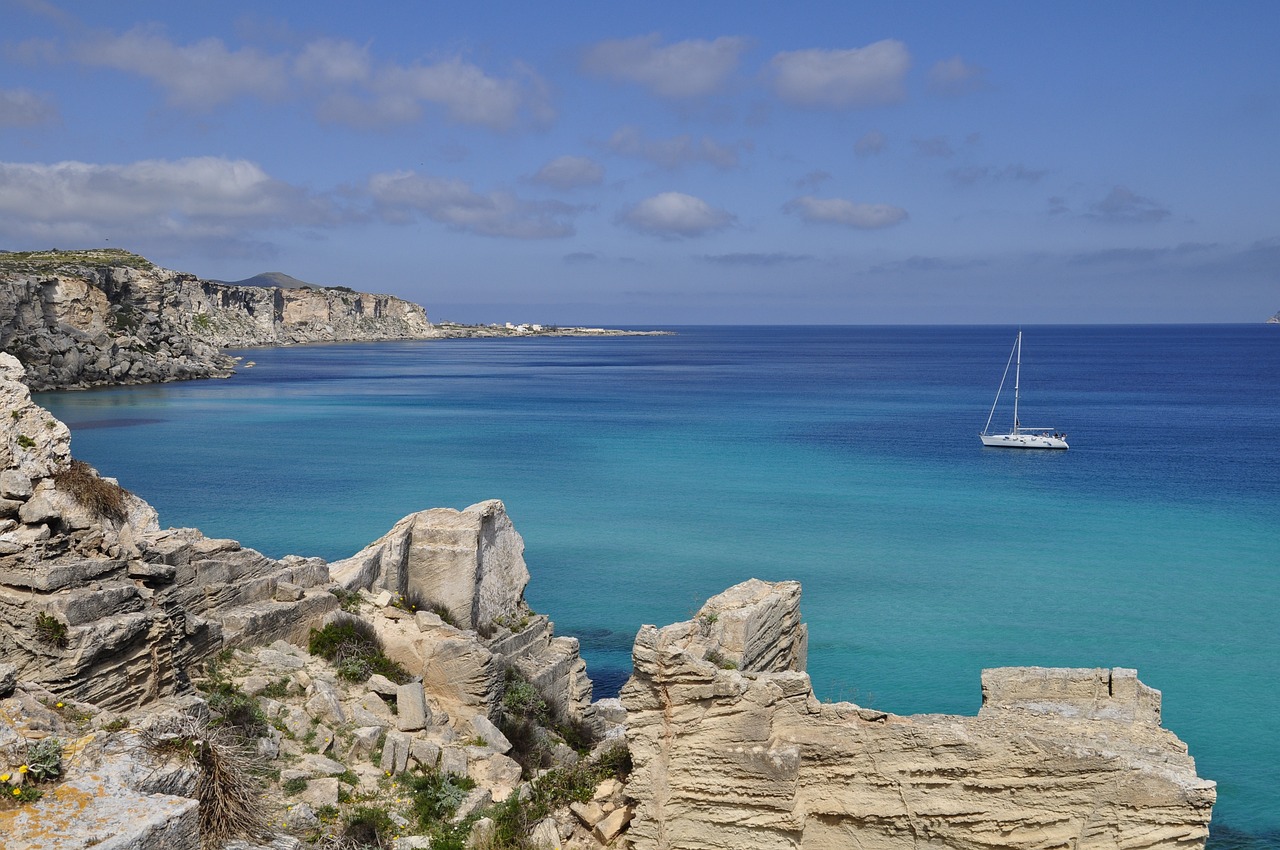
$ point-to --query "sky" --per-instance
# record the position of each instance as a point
(649, 164)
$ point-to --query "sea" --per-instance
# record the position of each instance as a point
(648, 473)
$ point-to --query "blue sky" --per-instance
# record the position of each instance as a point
(663, 163)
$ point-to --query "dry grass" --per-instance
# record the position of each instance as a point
(228, 788)
(105, 499)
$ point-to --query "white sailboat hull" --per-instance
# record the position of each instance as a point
(1023, 441)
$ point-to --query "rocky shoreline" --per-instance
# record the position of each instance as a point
(161, 690)
(80, 319)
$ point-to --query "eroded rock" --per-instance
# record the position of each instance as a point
(748, 757)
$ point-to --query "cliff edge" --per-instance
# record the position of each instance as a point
(731, 749)
(89, 318)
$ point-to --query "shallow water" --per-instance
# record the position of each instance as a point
(649, 473)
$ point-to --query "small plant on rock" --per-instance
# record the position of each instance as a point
(104, 499)
(50, 630)
(44, 760)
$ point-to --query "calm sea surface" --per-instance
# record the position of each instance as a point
(648, 473)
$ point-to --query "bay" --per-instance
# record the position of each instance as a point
(648, 473)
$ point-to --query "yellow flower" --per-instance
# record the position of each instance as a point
(4, 777)
(17, 792)
(59, 705)
(22, 769)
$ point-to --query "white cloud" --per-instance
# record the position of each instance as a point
(340, 76)
(400, 196)
(693, 68)
(195, 76)
(23, 108)
(674, 152)
(569, 172)
(871, 143)
(198, 200)
(844, 212)
(674, 215)
(954, 76)
(330, 61)
(865, 76)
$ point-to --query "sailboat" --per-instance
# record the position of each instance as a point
(1021, 437)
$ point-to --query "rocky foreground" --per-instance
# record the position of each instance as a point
(161, 690)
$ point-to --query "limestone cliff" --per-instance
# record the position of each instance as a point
(731, 750)
(99, 603)
(86, 318)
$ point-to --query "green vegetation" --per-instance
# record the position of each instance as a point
(293, 786)
(44, 759)
(50, 630)
(515, 817)
(718, 659)
(104, 499)
(232, 707)
(348, 600)
(353, 647)
(368, 826)
(201, 322)
(117, 725)
(48, 261)
(26, 442)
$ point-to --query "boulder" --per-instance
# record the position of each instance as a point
(468, 563)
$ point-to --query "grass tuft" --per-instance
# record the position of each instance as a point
(103, 498)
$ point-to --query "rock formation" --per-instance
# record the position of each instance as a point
(105, 613)
(101, 604)
(466, 569)
(731, 749)
(86, 318)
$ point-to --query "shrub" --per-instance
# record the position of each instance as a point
(229, 791)
(237, 710)
(353, 647)
(296, 785)
(103, 498)
(436, 795)
(369, 827)
(49, 629)
(26, 442)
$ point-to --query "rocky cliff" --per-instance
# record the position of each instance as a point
(87, 318)
(731, 749)
(108, 623)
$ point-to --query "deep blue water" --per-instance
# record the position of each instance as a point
(648, 473)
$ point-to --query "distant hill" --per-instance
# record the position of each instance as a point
(276, 280)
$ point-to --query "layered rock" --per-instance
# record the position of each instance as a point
(731, 749)
(466, 571)
(87, 318)
(101, 604)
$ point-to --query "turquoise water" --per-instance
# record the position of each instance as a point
(649, 473)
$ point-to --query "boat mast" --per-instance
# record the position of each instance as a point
(1017, 375)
